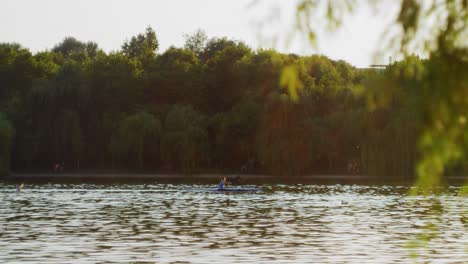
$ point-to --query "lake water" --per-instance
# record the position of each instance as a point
(163, 223)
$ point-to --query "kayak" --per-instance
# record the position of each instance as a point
(227, 189)
(232, 189)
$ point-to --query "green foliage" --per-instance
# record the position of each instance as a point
(311, 16)
(94, 111)
(70, 135)
(196, 42)
(135, 135)
(291, 81)
(222, 86)
(46, 64)
(70, 46)
(444, 140)
(225, 107)
(174, 78)
(283, 144)
(234, 134)
(438, 28)
(6, 138)
(17, 69)
(142, 46)
(185, 141)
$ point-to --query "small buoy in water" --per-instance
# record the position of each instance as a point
(19, 187)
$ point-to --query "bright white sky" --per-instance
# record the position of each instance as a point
(39, 25)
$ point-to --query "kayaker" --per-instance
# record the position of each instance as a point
(223, 183)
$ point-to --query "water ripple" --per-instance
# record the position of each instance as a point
(191, 223)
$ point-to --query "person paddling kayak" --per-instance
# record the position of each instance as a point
(223, 183)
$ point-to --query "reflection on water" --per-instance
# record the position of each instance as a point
(181, 223)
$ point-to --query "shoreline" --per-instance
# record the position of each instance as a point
(212, 178)
(156, 176)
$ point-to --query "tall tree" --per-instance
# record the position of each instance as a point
(143, 46)
(134, 135)
(175, 79)
(196, 42)
(71, 46)
(222, 86)
(185, 141)
(6, 137)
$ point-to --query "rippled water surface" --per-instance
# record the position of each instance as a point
(192, 224)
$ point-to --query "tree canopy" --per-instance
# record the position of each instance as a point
(217, 105)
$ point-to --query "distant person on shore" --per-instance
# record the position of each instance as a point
(223, 183)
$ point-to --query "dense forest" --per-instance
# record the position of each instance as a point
(214, 105)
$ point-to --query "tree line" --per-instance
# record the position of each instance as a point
(212, 105)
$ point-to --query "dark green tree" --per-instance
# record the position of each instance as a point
(176, 78)
(71, 46)
(196, 42)
(143, 46)
(222, 84)
(6, 138)
(185, 142)
(136, 135)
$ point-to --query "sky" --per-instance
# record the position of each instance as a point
(41, 24)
